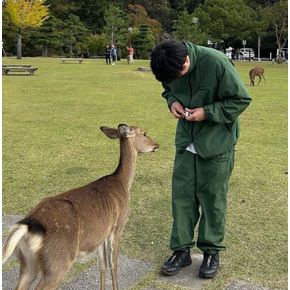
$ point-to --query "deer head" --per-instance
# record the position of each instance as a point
(137, 137)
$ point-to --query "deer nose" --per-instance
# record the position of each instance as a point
(156, 147)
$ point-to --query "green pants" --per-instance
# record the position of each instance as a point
(199, 193)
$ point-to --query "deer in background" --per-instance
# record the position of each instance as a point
(256, 72)
(72, 224)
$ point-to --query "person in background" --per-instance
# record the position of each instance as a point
(130, 57)
(204, 92)
(114, 54)
(108, 54)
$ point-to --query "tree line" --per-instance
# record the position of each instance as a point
(84, 28)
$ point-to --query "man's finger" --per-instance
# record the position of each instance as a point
(190, 110)
(177, 114)
(180, 111)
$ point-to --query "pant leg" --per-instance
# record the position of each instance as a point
(212, 186)
(185, 207)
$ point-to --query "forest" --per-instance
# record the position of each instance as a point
(84, 28)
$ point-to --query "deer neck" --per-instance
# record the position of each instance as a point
(127, 164)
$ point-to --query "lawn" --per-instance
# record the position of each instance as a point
(52, 143)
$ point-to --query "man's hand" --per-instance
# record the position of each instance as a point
(177, 110)
(194, 115)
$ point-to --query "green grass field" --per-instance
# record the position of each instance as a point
(52, 143)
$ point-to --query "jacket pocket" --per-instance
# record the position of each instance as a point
(212, 139)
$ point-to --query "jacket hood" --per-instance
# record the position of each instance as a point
(193, 54)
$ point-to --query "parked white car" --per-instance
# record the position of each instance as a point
(246, 52)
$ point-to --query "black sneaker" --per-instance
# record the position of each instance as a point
(209, 266)
(178, 260)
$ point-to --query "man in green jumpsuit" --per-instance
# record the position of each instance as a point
(205, 93)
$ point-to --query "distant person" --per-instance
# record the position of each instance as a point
(114, 54)
(241, 55)
(237, 54)
(108, 54)
(130, 57)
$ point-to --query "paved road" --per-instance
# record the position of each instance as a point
(130, 272)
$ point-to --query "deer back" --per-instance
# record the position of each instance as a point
(256, 71)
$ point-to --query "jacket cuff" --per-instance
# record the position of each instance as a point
(170, 101)
(207, 113)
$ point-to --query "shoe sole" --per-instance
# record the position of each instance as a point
(207, 276)
(164, 272)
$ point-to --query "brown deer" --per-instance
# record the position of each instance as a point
(72, 224)
(256, 72)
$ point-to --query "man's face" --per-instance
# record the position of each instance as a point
(185, 67)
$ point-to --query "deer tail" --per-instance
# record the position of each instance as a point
(15, 235)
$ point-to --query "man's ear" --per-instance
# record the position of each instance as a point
(110, 132)
(187, 60)
(125, 131)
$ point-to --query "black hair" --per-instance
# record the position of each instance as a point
(167, 59)
(33, 225)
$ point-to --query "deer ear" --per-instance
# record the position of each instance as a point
(110, 132)
(125, 130)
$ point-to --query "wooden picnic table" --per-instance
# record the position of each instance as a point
(64, 60)
(6, 69)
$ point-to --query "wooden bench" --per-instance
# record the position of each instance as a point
(14, 68)
(64, 60)
(16, 65)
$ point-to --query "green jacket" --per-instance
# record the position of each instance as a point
(212, 82)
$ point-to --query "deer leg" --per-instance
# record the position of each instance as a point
(59, 246)
(53, 270)
(113, 251)
(263, 78)
(259, 80)
(252, 81)
(28, 270)
(102, 261)
(56, 259)
(49, 281)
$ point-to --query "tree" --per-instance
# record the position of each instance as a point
(97, 43)
(225, 19)
(259, 25)
(63, 8)
(139, 16)
(277, 15)
(26, 14)
(48, 36)
(116, 23)
(158, 10)
(92, 12)
(186, 28)
(74, 35)
(192, 4)
(178, 4)
(9, 33)
(144, 41)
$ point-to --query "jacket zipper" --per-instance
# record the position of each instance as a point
(191, 134)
